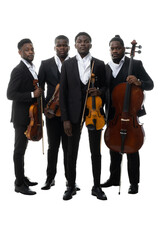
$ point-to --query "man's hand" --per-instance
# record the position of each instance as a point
(38, 92)
(47, 114)
(94, 92)
(131, 79)
(67, 128)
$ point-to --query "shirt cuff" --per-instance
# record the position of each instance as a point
(32, 94)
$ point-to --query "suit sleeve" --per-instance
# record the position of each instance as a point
(14, 87)
(147, 83)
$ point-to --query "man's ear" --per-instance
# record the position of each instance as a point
(20, 52)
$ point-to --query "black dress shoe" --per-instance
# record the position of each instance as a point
(133, 189)
(24, 189)
(109, 183)
(69, 193)
(48, 184)
(97, 191)
(28, 182)
(76, 186)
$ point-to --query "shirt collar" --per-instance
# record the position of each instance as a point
(117, 64)
(87, 58)
(116, 67)
(29, 65)
(58, 62)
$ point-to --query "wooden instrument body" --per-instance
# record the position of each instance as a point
(53, 107)
(34, 130)
(127, 122)
(95, 120)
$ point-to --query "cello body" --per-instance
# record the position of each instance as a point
(126, 124)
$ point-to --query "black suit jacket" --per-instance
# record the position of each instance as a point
(71, 91)
(19, 90)
(138, 71)
(49, 74)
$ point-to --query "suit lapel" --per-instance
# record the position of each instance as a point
(54, 68)
(25, 68)
(76, 70)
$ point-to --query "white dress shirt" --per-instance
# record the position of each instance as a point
(116, 67)
(59, 63)
(31, 68)
(84, 67)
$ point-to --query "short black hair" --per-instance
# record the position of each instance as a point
(61, 37)
(85, 34)
(22, 42)
(117, 38)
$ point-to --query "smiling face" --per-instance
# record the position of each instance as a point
(83, 45)
(117, 51)
(27, 52)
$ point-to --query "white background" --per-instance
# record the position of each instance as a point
(46, 215)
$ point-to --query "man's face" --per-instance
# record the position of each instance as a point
(27, 52)
(117, 51)
(61, 48)
(83, 45)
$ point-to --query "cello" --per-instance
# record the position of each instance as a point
(34, 130)
(124, 134)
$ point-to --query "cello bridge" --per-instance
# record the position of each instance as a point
(125, 120)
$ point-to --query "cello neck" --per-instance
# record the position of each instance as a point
(126, 103)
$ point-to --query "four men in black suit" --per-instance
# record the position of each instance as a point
(73, 80)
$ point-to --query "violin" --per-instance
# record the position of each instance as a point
(94, 120)
(34, 130)
(53, 108)
(124, 133)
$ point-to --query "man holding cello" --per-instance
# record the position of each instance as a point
(117, 73)
(22, 92)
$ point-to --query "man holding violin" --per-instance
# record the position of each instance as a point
(49, 74)
(23, 94)
(75, 76)
(117, 72)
